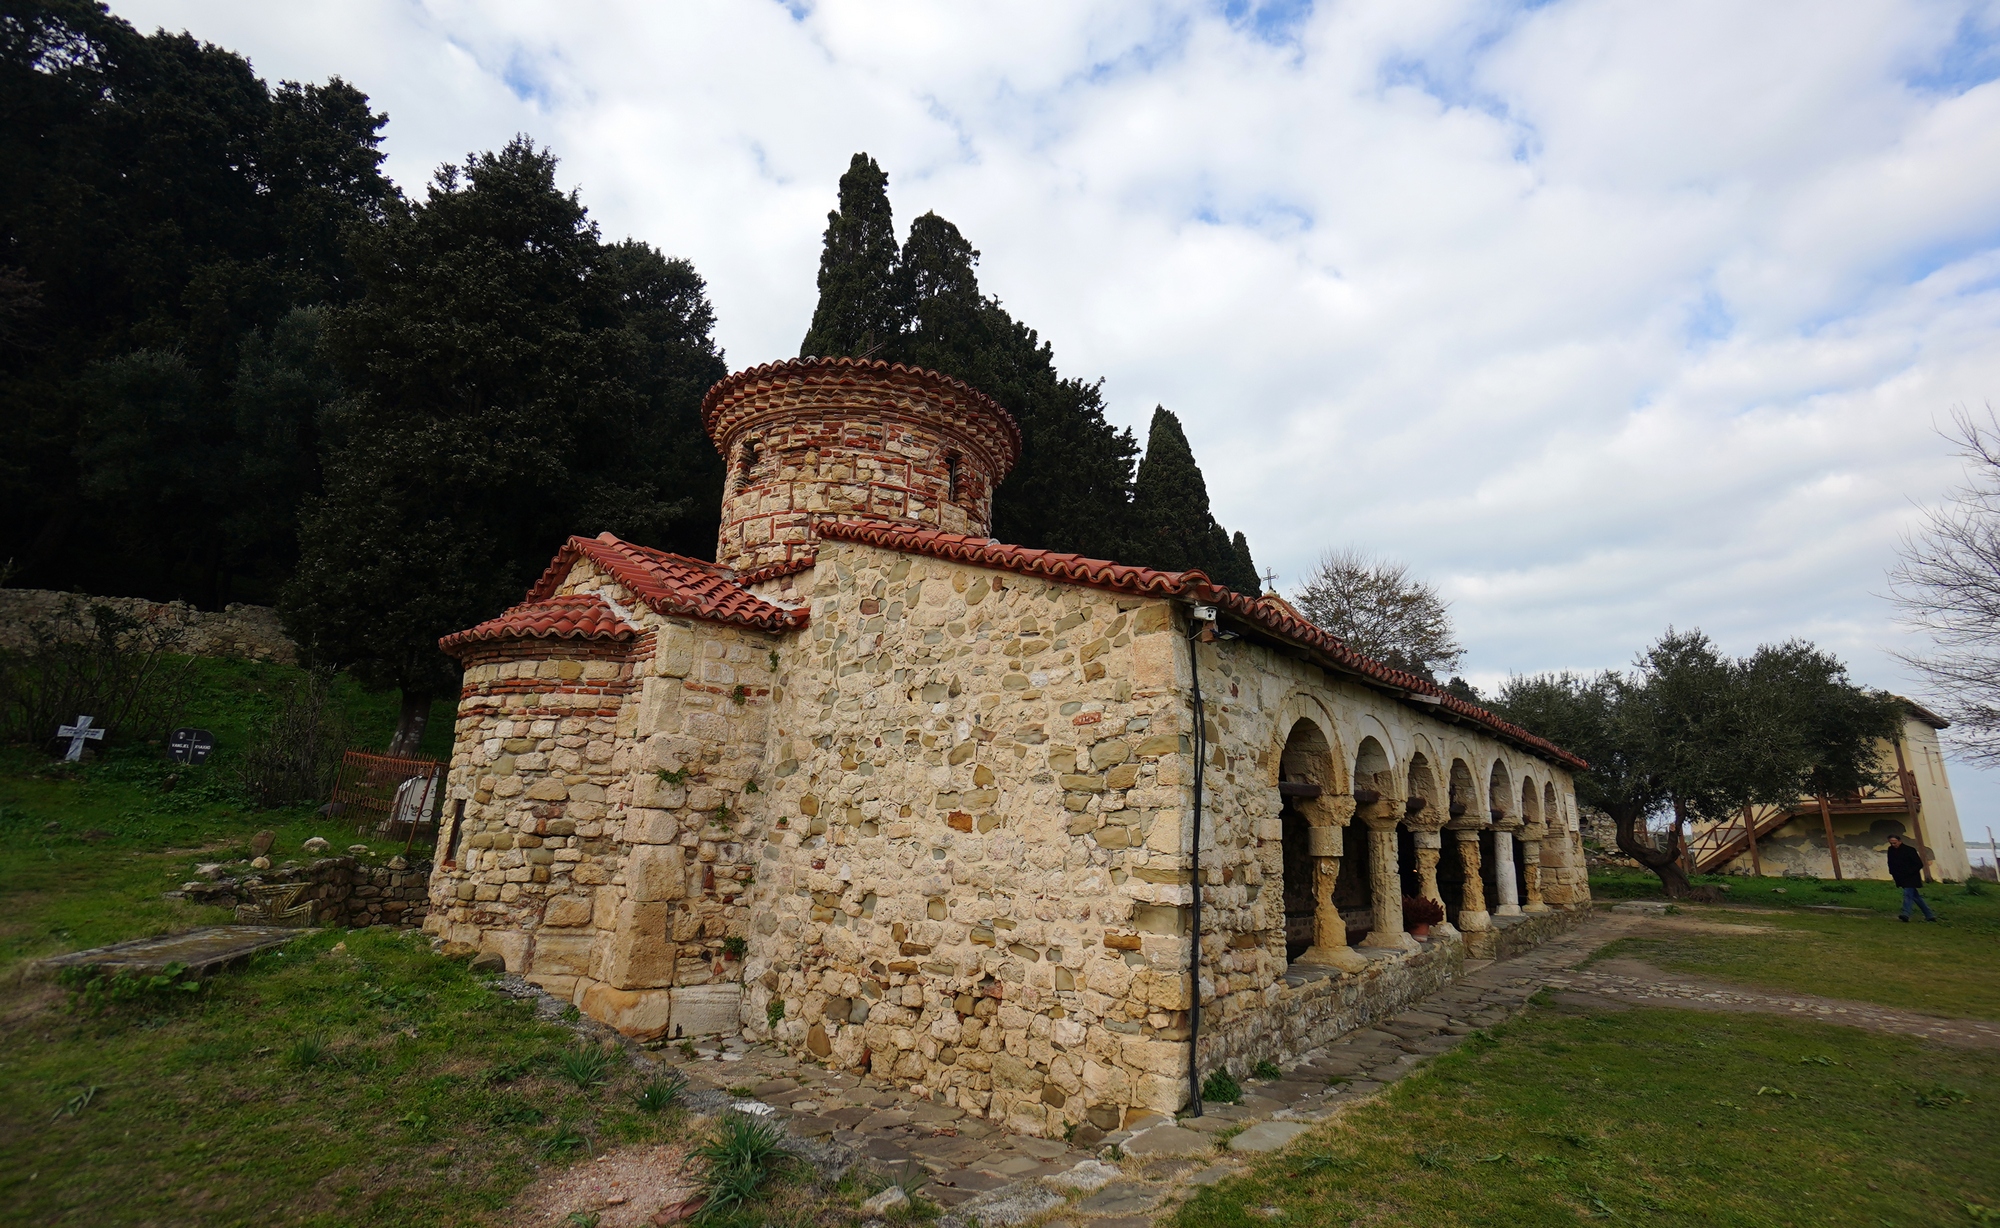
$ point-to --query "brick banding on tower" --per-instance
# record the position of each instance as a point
(847, 439)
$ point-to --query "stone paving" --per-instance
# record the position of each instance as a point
(1128, 1177)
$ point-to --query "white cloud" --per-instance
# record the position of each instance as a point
(1606, 314)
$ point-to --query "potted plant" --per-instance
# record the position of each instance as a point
(1419, 914)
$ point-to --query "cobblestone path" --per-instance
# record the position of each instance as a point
(978, 1172)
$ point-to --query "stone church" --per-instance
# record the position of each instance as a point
(884, 791)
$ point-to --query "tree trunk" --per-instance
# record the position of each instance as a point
(1665, 863)
(410, 723)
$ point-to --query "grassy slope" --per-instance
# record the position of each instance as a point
(436, 1102)
(1653, 1116)
(85, 853)
(1942, 969)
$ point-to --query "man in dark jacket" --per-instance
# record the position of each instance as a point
(1906, 866)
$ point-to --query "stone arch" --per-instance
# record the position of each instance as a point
(1372, 770)
(1500, 792)
(1423, 784)
(1552, 809)
(1462, 795)
(1300, 706)
(1531, 802)
(1305, 763)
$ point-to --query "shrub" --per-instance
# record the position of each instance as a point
(584, 1066)
(660, 1094)
(1221, 1087)
(1266, 1069)
(94, 661)
(1417, 910)
(741, 1155)
(294, 758)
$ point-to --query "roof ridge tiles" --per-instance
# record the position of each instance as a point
(570, 616)
(1192, 584)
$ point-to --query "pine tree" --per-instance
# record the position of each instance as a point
(511, 380)
(1176, 530)
(859, 312)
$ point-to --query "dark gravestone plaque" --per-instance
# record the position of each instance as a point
(190, 745)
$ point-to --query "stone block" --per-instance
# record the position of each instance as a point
(558, 954)
(707, 1010)
(564, 910)
(641, 956)
(513, 946)
(641, 1014)
(648, 826)
(656, 872)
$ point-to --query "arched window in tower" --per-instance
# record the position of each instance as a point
(951, 466)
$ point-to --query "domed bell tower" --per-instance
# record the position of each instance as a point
(818, 439)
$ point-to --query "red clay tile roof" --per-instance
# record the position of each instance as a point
(1192, 585)
(578, 616)
(671, 584)
(728, 394)
(777, 571)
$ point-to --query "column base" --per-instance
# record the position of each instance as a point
(1474, 921)
(1394, 940)
(1507, 910)
(1343, 958)
(1534, 908)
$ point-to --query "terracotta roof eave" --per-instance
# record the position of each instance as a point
(670, 584)
(1192, 586)
(1435, 702)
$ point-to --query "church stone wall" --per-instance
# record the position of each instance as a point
(972, 878)
(603, 847)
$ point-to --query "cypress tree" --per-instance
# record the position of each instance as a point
(1071, 488)
(1176, 530)
(859, 311)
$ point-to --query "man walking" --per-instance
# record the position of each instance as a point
(1906, 866)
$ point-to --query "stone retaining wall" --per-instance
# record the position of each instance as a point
(1512, 936)
(251, 632)
(342, 890)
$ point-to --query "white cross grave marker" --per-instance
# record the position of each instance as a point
(78, 734)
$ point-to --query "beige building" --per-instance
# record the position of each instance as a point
(884, 791)
(1848, 837)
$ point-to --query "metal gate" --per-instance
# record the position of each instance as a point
(387, 795)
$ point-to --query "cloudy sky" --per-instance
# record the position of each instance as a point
(1603, 314)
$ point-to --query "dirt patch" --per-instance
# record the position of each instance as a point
(625, 1186)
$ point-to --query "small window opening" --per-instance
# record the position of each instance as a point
(951, 477)
(746, 459)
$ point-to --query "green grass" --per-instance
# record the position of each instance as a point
(1944, 969)
(87, 850)
(1655, 1116)
(375, 1085)
(1958, 900)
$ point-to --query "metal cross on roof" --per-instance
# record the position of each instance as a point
(78, 734)
(1270, 579)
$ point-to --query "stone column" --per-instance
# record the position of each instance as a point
(1323, 843)
(1472, 907)
(1531, 866)
(1385, 883)
(1503, 872)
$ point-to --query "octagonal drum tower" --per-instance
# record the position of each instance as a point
(817, 439)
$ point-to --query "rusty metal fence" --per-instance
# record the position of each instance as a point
(387, 795)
